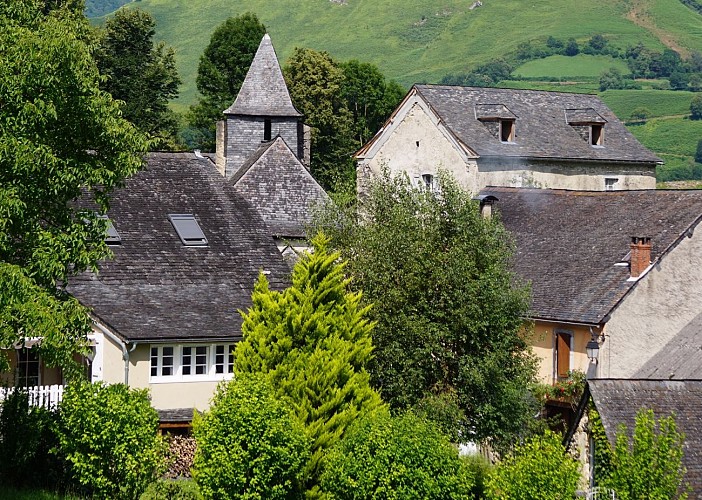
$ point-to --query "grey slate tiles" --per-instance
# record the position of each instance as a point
(568, 242)
(542, 128)
(156, 288)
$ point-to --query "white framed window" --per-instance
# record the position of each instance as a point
(28, 372)
(191, 362)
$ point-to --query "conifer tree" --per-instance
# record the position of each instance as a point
(312, 341)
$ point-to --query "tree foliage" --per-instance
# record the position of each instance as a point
(312, 342)
(696, 108)
(108, 434)
(649, 465)
(140, 74)
(539, 469)
(222, 70)
(404, 457)
(61, 138)
(249, 445)
(448, 311)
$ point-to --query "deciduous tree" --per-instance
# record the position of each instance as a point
(449, 311)
(140, 74)
(61, 138)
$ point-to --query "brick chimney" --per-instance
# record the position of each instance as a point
(640, 255)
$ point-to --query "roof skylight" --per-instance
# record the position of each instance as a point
(188, 230)
(112, 237)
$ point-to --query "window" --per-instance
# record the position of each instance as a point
(112, 237)
(507, 130)
(562, 355)
(27, 367)
(188, 229)
(162, 361)
(610, 183)
(428, 182)
(596, 135)
(266, 129)
(186, 362)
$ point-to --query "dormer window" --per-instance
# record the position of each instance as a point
(596, 134)
(498, 120)
(610, 183)
(188, 230)
(507, 130)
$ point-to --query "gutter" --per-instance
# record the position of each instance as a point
(123, 345)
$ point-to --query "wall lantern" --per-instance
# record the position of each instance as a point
(593, 350)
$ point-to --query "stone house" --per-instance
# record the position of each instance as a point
(511, 138)
(190, 234)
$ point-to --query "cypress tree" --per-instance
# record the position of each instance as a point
(312, 341)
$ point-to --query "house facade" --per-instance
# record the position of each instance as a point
(506, 137)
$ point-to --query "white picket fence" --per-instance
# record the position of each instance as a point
(47, 396)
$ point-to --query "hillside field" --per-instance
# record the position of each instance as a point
(422, 40)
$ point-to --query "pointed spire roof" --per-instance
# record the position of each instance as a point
(264, 92)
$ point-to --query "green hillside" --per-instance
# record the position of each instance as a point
(423, 40)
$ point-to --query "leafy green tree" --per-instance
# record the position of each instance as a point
(61, 138)
(249, 445)
(312, 342)
(222, 70)
(370, 98)
(539, 469)
(698, 152)
(140, 74)
(571, 48)
(696, 108)
(315, 82)
(650, 464)
(448, 311)
(403, 457)
(109, 435)
(611, 79)
(640, 114)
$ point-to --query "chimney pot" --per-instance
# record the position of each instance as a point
(640, 255)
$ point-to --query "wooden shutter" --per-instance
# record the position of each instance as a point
(562, 354)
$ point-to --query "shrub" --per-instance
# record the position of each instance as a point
(698, 152)
(26, 436)
(696, 108)
(169, 489)
(540, 469)
(640, 114)
(108, 434)
(405, 457)
(650, 466)
(249, 445)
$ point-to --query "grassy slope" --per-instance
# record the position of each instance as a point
(580, 66)
(417, 41)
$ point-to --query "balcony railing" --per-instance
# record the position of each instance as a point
(48, 396)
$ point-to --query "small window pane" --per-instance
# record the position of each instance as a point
(201, 360)
(188, 229)
(167, 361)
(230, 361)
(219, 359)
(154, 361)
(186, 360)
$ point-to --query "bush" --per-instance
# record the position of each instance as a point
(640, 114)
(698, 152)
(696, 108)
(540, 469)
(108, 434)
(405, 457)
(651, 465)
(249, 445)
(26, 437)
(170, 489)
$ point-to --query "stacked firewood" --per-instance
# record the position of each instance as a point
(182, 453)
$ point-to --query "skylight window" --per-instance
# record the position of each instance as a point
(188, 230)
(112, 237)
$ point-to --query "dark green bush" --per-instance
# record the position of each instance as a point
(108, 434)
(249, 445)
(26, 438)
(405, 457)
(172, 489)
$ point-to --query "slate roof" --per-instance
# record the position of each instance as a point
(618, 401)
(568, 242)
(541, 125)
(264, 92)
(280, 187)
(680, 358)
(155, 288)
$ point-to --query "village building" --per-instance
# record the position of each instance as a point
(189, 235)
(506, 137)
